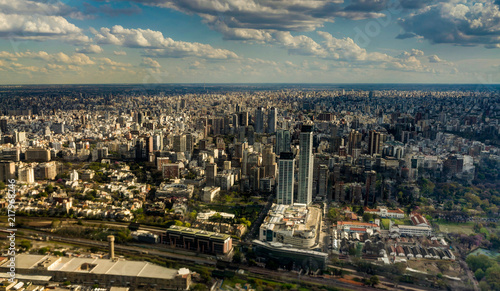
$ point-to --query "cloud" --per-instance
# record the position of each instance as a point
(108, 10)
(150, 63)
(434, 59)
(31, 20)
(367, 5)
(119, 53)
(42, 27)
(90, 49)
(466, 23)
(47, 8)
(109, 62)
(78, 59)
(251, 19)
(155, 44)
(406, 35)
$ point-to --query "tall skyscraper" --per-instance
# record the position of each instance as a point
(259, 120)
(306, 161)
(282, 141)
(286, 178)
(272, 118)
(373, 142)
(243, 119)
(324, 174)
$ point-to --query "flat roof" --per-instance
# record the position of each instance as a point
(102, 266)
(27, 277)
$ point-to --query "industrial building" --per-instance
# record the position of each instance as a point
(198, 240)
(136, 275)
(289, 256)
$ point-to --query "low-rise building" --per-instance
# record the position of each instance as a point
(384, 212)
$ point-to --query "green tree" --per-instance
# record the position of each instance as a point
(479, 262)
(374, 280)
(493, 277)
(25, 245)
(2, 185)
(367, 217)
(479, 274)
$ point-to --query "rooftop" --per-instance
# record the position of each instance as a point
(97, 266)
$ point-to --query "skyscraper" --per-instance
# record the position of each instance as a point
(282, 141)
(286, 178)
(324, 174)
(272, 119)
(305, 165)
(259, 120)
(373, 142)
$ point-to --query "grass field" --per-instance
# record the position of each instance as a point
(466, 228)
(385, 223)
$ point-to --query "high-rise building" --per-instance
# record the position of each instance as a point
(272, 119)
(286, 178)
(3, 125)
(306, 161)
(7, 171)
(38, 155)
(179, 143)
(283, 139)
(243, 119)
(371, 180)
(324, 174)
(158, 142)
(373, 142)
(26, 174)
(354, 141)
(59, 128)
(189, 142)
(211, 173)
(259, 120)
(268, 161)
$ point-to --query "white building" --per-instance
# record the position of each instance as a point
(386, 213)
(209, 193)
(410, 230)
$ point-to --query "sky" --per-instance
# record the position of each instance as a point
(249, 41)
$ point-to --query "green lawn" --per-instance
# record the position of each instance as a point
(466, 228)
(385, 223)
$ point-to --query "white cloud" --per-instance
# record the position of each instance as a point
(37, 20)
(157, 45)
(90, 49)
(150, 63)
(119, 53)
(109, 62)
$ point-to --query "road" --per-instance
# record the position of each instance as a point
(139, 249)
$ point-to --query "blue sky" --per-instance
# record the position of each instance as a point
(239, 41)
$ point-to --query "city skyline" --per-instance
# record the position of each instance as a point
(227, 41)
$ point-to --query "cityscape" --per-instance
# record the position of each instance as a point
(262, 187)
(261, 145)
